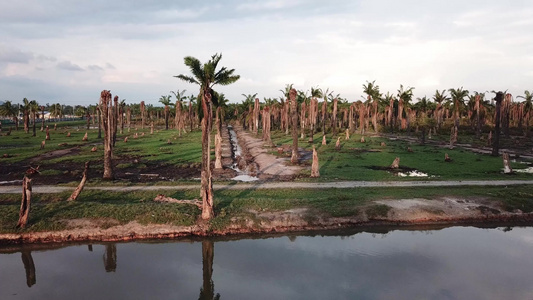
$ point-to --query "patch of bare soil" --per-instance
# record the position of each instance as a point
(268, 166)
(55, 154)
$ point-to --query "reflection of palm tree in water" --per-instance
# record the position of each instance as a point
(110, 258)
(207, 292)
(29, 267)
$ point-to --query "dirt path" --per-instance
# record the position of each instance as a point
(47, 189)
(269, 166)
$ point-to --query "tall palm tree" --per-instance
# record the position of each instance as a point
(371, 89)
(405, 96)
(440, 98)
(166, 101)
(10, 111)
(26, 114)
(206, 76)
(458, 98)
(34, 109)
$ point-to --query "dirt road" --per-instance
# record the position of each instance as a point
(47, 189)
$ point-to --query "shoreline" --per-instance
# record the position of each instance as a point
(134, 231)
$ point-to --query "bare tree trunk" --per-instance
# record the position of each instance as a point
(207, 292)
(334, 117)
(143, 113)
(25, 203)
(78, 190)
(29, 267)
(110, 258)
(294, 114)
(266, 125)
(315, 172)
(167, 115)
(42, 118)
(256, 116)
(496, 140)
(33, 128)
(106, 121)
(206, 189)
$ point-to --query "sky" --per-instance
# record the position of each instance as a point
(57, 51)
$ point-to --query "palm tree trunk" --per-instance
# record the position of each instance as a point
(33, 128)
(206, 188)
(294, 114)
(496, 140)
(106, 121)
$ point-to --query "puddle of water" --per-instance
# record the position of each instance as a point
(245, 178)
(526, 170)
(414, 173)
(10, 182)
(237, 151)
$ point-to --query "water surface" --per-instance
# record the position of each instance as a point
(452, 263)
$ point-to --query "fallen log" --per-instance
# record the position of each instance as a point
(25, 203)
(78, 190)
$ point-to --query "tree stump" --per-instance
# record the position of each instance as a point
(383, 144)
(85, 137)
(25, 203)
(135, 135)
(347, 134)
(489, 141)
(55, 126)
(395, 164)
(447, 158)
(324, 140)
(409, 149)
(42, 144)
(47, 133)
(338, 144)
(363, 139)
(68, 134)
(78, 190)
(506, 165)
(315, 167)
(125, 139)
(93, 149)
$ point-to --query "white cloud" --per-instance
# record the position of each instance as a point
(481, 45)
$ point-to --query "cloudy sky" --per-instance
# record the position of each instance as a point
(68, 51)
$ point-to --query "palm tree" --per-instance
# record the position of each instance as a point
(206, 76)
(405, 96)
(247, 106)
(528, 106)
(56, 110)
(34, 110)
(372, 92)
(26, 114)
(458, 98)
(166, 101)
(440, 98)
(10, 111)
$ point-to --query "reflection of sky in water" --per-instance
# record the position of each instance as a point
(453, 263)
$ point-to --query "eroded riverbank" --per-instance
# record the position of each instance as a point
(399, 212)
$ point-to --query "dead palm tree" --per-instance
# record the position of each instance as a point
(206, 76)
